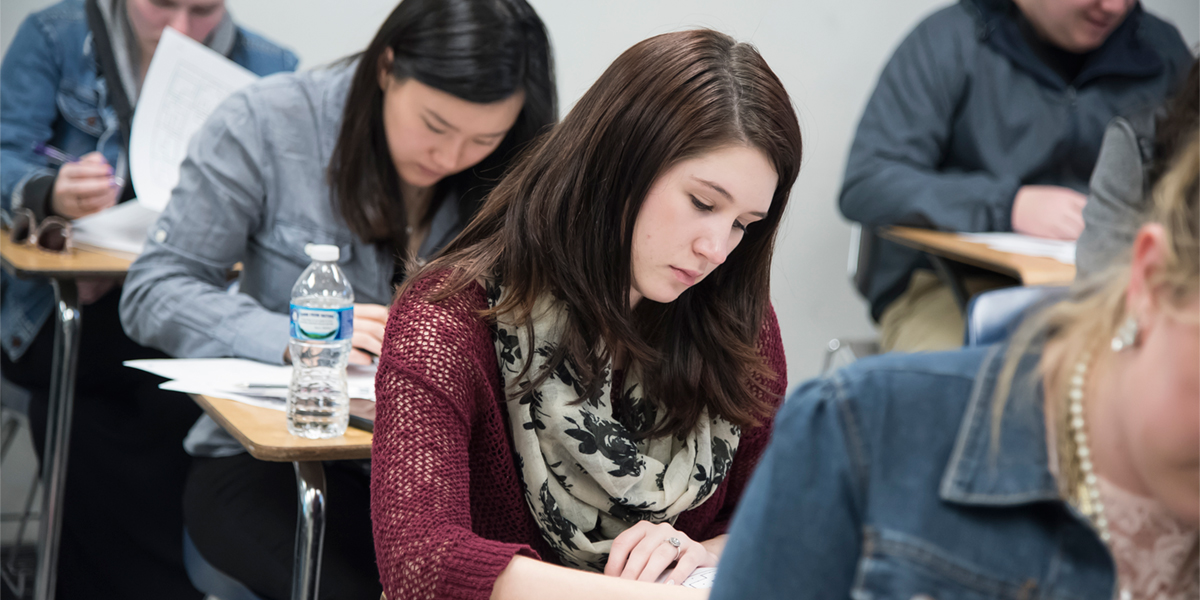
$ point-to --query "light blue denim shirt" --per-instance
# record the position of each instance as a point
(880, 483)
(51, 92)
(253, 190)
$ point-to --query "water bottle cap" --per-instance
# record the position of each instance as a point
(322, 252)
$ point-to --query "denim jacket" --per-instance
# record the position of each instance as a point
(51, 91)
(881, 483)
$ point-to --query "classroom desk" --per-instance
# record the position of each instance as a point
(942, 246)
(25, 261)
(263, 433)
(1029, 270)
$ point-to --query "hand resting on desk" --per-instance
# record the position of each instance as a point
(643, 554)
(1048, 211)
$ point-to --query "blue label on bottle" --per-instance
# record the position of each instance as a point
(322, 324)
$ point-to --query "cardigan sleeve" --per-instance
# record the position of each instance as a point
(428, 384)
(754, 440)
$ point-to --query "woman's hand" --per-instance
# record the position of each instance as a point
(367, 341)
(644, 551)
(84, 187)
(529, 579)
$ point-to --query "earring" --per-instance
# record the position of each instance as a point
(1126, 335)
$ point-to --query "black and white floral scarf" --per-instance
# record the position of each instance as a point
(586, 476)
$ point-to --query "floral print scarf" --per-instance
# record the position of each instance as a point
(586, 476)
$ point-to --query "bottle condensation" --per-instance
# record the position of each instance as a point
(322, 309)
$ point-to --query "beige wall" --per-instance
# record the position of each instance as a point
(827, 53)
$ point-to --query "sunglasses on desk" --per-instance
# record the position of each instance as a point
(53, 234)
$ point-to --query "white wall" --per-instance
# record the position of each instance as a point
(828, 54)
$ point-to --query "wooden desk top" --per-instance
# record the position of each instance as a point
(263, 432)
(1029, 270)
(25, 261)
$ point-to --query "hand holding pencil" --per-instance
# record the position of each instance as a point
(84, 186)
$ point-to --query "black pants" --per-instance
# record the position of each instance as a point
(241, 513)
(122, 528)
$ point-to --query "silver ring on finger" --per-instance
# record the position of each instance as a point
(674, 541)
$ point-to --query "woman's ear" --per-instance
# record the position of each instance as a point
(1148, 256)
(385, 68)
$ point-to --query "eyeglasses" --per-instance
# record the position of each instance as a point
(53, 234)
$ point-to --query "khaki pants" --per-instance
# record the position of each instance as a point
(925, 317)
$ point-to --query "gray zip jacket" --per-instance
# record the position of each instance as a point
(965, 113)
(253, 189)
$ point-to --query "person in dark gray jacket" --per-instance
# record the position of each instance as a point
(989, 117)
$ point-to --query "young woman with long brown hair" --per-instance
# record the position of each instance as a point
(588, 374)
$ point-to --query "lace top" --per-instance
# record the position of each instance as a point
(1156, 555)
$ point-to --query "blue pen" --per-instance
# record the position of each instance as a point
(62, 157)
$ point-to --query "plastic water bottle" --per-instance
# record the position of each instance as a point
(318, 403)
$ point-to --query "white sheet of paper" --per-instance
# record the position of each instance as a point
(185, 83)
(228, 378)
(122, 228)
(186, 387)
(702, 577)
(1015, 243)
(215, 371)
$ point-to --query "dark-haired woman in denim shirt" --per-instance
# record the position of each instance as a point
(384, 155)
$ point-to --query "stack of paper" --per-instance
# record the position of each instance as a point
(1015, 243)
(247, 381)
(120, 229)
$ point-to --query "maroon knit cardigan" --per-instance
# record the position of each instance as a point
(446, 499)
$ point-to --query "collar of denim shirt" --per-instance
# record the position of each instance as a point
(1015, 470)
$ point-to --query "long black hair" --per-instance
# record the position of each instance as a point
(481, 51)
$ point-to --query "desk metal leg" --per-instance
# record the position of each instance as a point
(58, 435)
(310, 530)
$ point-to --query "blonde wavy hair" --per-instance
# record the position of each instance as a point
(1090, 318)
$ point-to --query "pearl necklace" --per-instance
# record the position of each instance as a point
(1087, 491)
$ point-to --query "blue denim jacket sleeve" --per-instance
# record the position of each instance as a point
(175, 296)
(894, 175)
(262, 56)
(798, 526)
(29, 77)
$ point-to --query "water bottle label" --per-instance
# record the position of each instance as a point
(325, 324)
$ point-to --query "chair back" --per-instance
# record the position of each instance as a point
(994, 315)
(858, 260)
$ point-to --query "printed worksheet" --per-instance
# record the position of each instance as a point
(185, 83)
(702, 577)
